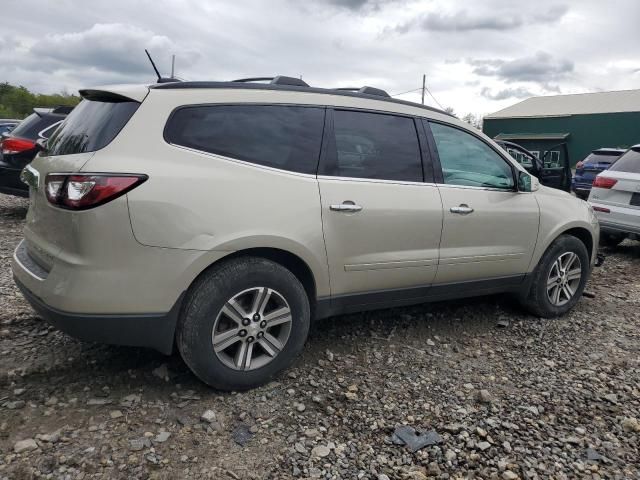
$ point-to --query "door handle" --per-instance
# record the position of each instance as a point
(462, 209)
(346, 206)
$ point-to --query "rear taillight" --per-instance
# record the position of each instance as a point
(579, 165)
(16, 145)
(604, 182)
(84, 191)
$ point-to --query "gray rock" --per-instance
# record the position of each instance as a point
(483, 446)
(161, 437)
(320, 451)
(484, 396)
(509, 475)
(162, 372)
(26, 445)
(208, 416)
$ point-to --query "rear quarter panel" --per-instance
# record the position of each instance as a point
(203, 202)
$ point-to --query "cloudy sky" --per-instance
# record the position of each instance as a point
(478, 56)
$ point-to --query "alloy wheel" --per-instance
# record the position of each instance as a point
(252, 328)
(564, 279)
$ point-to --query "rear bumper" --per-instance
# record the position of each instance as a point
(619, 219)
(11, 184)
(153, 330)
(619, 228)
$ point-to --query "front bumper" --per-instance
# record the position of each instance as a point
(153, 330)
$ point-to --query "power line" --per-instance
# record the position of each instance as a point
(408, 91)
(423, 88)
(434, 98)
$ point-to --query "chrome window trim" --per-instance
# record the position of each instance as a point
(54, 125)
(488, 189)
(374, 180)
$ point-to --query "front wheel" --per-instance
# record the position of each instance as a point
(559, 279)
(243, 322)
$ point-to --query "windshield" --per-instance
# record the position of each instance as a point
(629, 162)
(90, 126)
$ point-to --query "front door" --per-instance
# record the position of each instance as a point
(382, 223)
(489, 228)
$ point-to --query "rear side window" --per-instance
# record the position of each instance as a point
(377, 146)
(92, 125)
(33, 124)
(629, 162)
(278, 136)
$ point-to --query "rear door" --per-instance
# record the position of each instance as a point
(489, 228)
(381, 219)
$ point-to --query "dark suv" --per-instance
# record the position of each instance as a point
(18, 146)
(586, 171)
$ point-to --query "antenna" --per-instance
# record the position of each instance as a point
(153, 64)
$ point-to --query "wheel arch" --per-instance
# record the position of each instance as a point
(582, 234)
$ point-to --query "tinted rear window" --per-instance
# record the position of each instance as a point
(629, 162)
(601, 157)
(378, 146)
(33, 124)
(90, 126)
(278, 136)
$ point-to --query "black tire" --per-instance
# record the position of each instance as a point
(611, 240)
(205, 300)
(536, 299)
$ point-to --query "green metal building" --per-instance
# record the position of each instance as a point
(585, 121)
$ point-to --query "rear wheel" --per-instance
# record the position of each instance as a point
(611, 240)
(559, 279)
(244, 321)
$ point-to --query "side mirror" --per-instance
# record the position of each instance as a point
(527, 182)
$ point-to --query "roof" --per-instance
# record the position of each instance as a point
(609, 151)
(363, 92)
(575, 104)
(531, 136)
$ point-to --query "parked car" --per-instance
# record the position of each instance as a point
(554, 174)
(615, 197)
(586, 171)
(7, 124)
(225, 216)
(18, 146)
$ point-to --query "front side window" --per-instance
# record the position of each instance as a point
(377, 146)
(468, 161)
(278, 136)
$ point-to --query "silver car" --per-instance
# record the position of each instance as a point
(224, 217)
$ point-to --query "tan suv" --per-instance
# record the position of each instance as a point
(225, 216)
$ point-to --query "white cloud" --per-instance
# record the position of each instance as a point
(478, 56)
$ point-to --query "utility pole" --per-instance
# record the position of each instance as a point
(424, 81)
(173, 66)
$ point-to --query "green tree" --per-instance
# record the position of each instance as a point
(18, 101)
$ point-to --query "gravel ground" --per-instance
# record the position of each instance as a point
(509, 395)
